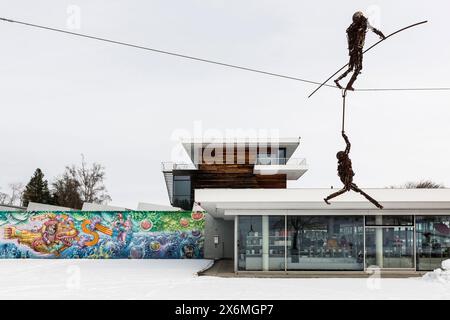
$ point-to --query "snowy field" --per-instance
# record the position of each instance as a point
(176, 279)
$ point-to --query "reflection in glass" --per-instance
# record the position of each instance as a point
(250, 243)
(182, 195)
(325, 243)
(277, 242)
(433, 241)
(390, 247)
(389, 220)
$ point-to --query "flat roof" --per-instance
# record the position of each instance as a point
(241, 140)
(190, 145)
(220, 202)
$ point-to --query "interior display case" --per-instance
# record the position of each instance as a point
(277, 242)
(325, 243)
(250, 243)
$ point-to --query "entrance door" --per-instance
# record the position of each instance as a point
(390, 246)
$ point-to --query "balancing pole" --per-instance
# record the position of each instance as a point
(376, 43)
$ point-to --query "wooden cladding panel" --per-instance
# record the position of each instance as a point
(238, 181)
(226, 168)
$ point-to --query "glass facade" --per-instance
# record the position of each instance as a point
(390, 247)
(250, 243)
(182, 192)
(389, 220)
(325, 243)
(296, 243)
(276, 157)
(277, 242)
(433, 241)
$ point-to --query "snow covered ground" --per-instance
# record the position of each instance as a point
(176, 279)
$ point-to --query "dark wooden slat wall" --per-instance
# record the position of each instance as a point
(238, 181)
(235, 175)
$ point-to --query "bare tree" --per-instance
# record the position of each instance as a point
(422, 184)
(14, 197)
(91, 181)
(4, 198)
(17, 190)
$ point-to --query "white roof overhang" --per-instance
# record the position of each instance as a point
(231, 202)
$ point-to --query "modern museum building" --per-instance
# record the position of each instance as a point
(254, 219)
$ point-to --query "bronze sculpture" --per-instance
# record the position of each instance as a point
(345, 173)
(356, 35)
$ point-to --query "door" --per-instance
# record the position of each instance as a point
(390, 246)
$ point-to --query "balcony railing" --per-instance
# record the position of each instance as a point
(170, 166)
(268, 161)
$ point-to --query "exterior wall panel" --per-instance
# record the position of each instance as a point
(224, 229)
(102, 235)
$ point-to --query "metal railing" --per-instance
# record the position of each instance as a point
(170, 166)
(280, 161)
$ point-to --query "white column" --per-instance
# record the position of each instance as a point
(379, 241)
(265, 243)
(236, 237)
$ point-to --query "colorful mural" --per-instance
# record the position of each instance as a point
(102, 235)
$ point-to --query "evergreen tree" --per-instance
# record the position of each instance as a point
(37, 190)
(66, 192)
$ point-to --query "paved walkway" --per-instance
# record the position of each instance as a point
(220, 268)
(225, 268)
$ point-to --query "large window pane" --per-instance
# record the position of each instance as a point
(182, 192)
(250, 243)
(181, 185)
(277, 242)
(325, 243)
(433, 241)
(282, 156)
(390, 247)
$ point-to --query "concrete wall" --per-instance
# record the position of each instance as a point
(11, 208)
(143, 206)
(102, 234)
(87, 206)
(225, 230)
(34, 206)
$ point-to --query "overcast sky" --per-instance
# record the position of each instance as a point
(62, 96)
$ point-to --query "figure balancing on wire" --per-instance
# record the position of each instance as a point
(345, 173)
(356, 35)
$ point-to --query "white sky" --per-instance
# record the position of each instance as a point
(62, 96)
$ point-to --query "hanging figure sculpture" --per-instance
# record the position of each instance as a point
(345, 173)
(356, 35)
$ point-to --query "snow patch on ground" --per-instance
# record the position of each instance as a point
(177, 279)
(441, 274)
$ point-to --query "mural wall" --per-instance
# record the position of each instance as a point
(102, 235)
